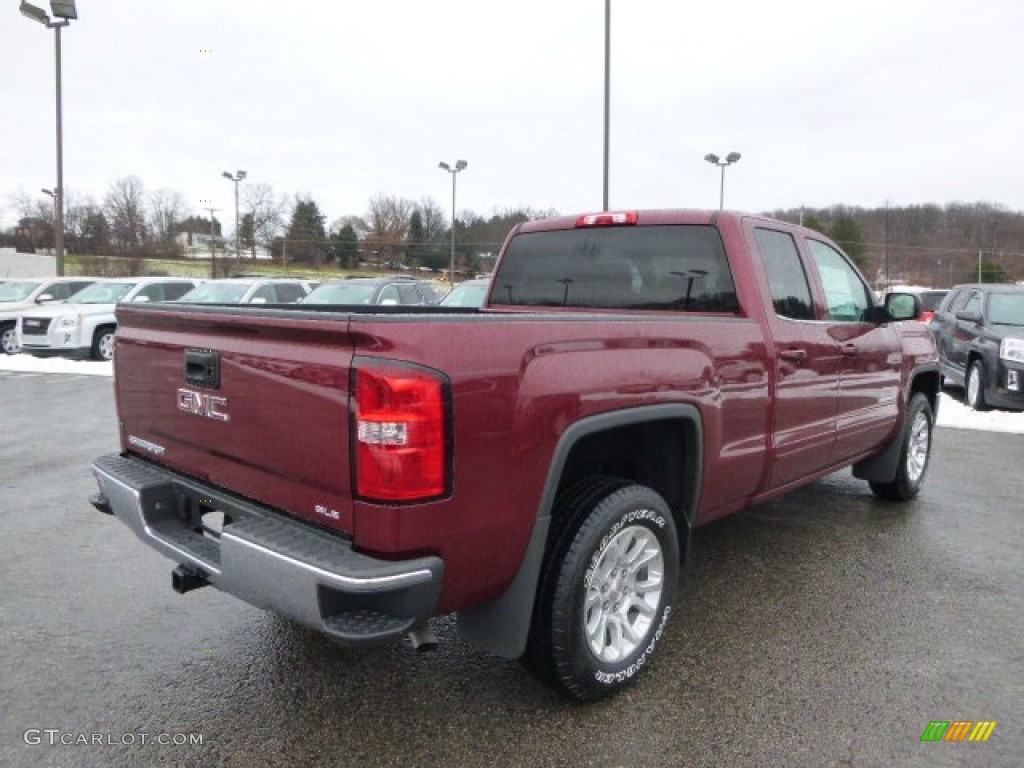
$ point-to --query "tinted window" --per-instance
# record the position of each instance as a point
(410, 295)
(680, 268)
(930, 300)
(217, 293)
(957, 301)
(265, 294)
(174, 291)
(58, 290)
(847, 298)
(388, 295)
(1006, 308)
(791, 292)
(973, 304)
(289, 293)
(342, 293)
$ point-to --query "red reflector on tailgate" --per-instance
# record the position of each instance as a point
(399, 432)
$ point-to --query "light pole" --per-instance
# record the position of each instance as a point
(607, 93)
(731, 158)
(52, 193)
(236, 178)
(64, 10)
(213, 245)
(459, 166)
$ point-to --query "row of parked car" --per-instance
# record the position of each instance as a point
(74, 316)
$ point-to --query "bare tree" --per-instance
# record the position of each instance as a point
(125, 210)
(167, 210)
(388, 226)
(434, 222)
(265, 215)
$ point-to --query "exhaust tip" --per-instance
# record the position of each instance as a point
(185, 578)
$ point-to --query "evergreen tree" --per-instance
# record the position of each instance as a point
(348, 247)
(417, 237)
(246, 235)
(95, 233)
(307, 238)
(846, 232)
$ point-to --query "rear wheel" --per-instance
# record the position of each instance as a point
(607, 588)
(9, 340)
(914, 456)
(974, 388)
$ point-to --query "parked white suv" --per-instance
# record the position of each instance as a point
(85, 327)
(249, 290)
(17, 295)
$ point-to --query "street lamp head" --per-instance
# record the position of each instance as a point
(713, 159)
(460, 165)
(34, 13)
(242, 174)
(444, 166)
(51, 192)
(732, 157)
(228, 176)
(64, 9)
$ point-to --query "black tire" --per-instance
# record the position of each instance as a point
(9, 340)
(915, 453)
(103, 344)
(975, 380)
(605, 525)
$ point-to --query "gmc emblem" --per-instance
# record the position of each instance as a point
(201, 404)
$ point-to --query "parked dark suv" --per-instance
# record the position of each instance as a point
(375, 290)
(979, 330)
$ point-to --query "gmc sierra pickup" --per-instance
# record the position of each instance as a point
(535, 466)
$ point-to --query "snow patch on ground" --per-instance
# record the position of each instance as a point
(952, 412)
(28, 364)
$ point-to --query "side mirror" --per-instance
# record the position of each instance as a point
(258, 300)
(902, 306)
(45, 298)
(140, 299)
(389, 303)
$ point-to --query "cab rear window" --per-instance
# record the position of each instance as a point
(669, 267)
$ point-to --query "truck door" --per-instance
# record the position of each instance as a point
(807, 363)
(869, 356)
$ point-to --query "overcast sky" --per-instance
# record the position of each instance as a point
(859, 103)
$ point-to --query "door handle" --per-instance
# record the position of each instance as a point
(795, 356)
(849, 350)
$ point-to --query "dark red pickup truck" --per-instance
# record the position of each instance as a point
(535, 466)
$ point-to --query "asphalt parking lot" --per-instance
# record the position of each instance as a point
(825, 628)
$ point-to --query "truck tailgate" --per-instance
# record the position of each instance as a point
(253, 400)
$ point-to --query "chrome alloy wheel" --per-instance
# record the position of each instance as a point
(973, 386)
(918, 446)
(106, 346)
(624, 594)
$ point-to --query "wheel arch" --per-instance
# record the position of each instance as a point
(620, 443)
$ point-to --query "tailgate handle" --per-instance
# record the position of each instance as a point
(202, 368)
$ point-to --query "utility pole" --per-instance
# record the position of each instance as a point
(213, 245)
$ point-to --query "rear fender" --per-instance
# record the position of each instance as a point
(502, 626)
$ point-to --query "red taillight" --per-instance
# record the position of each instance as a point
(399, 433)
(608, 219)
(926, 316)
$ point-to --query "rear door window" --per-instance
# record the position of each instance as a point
(791, 291)
(665, 267)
